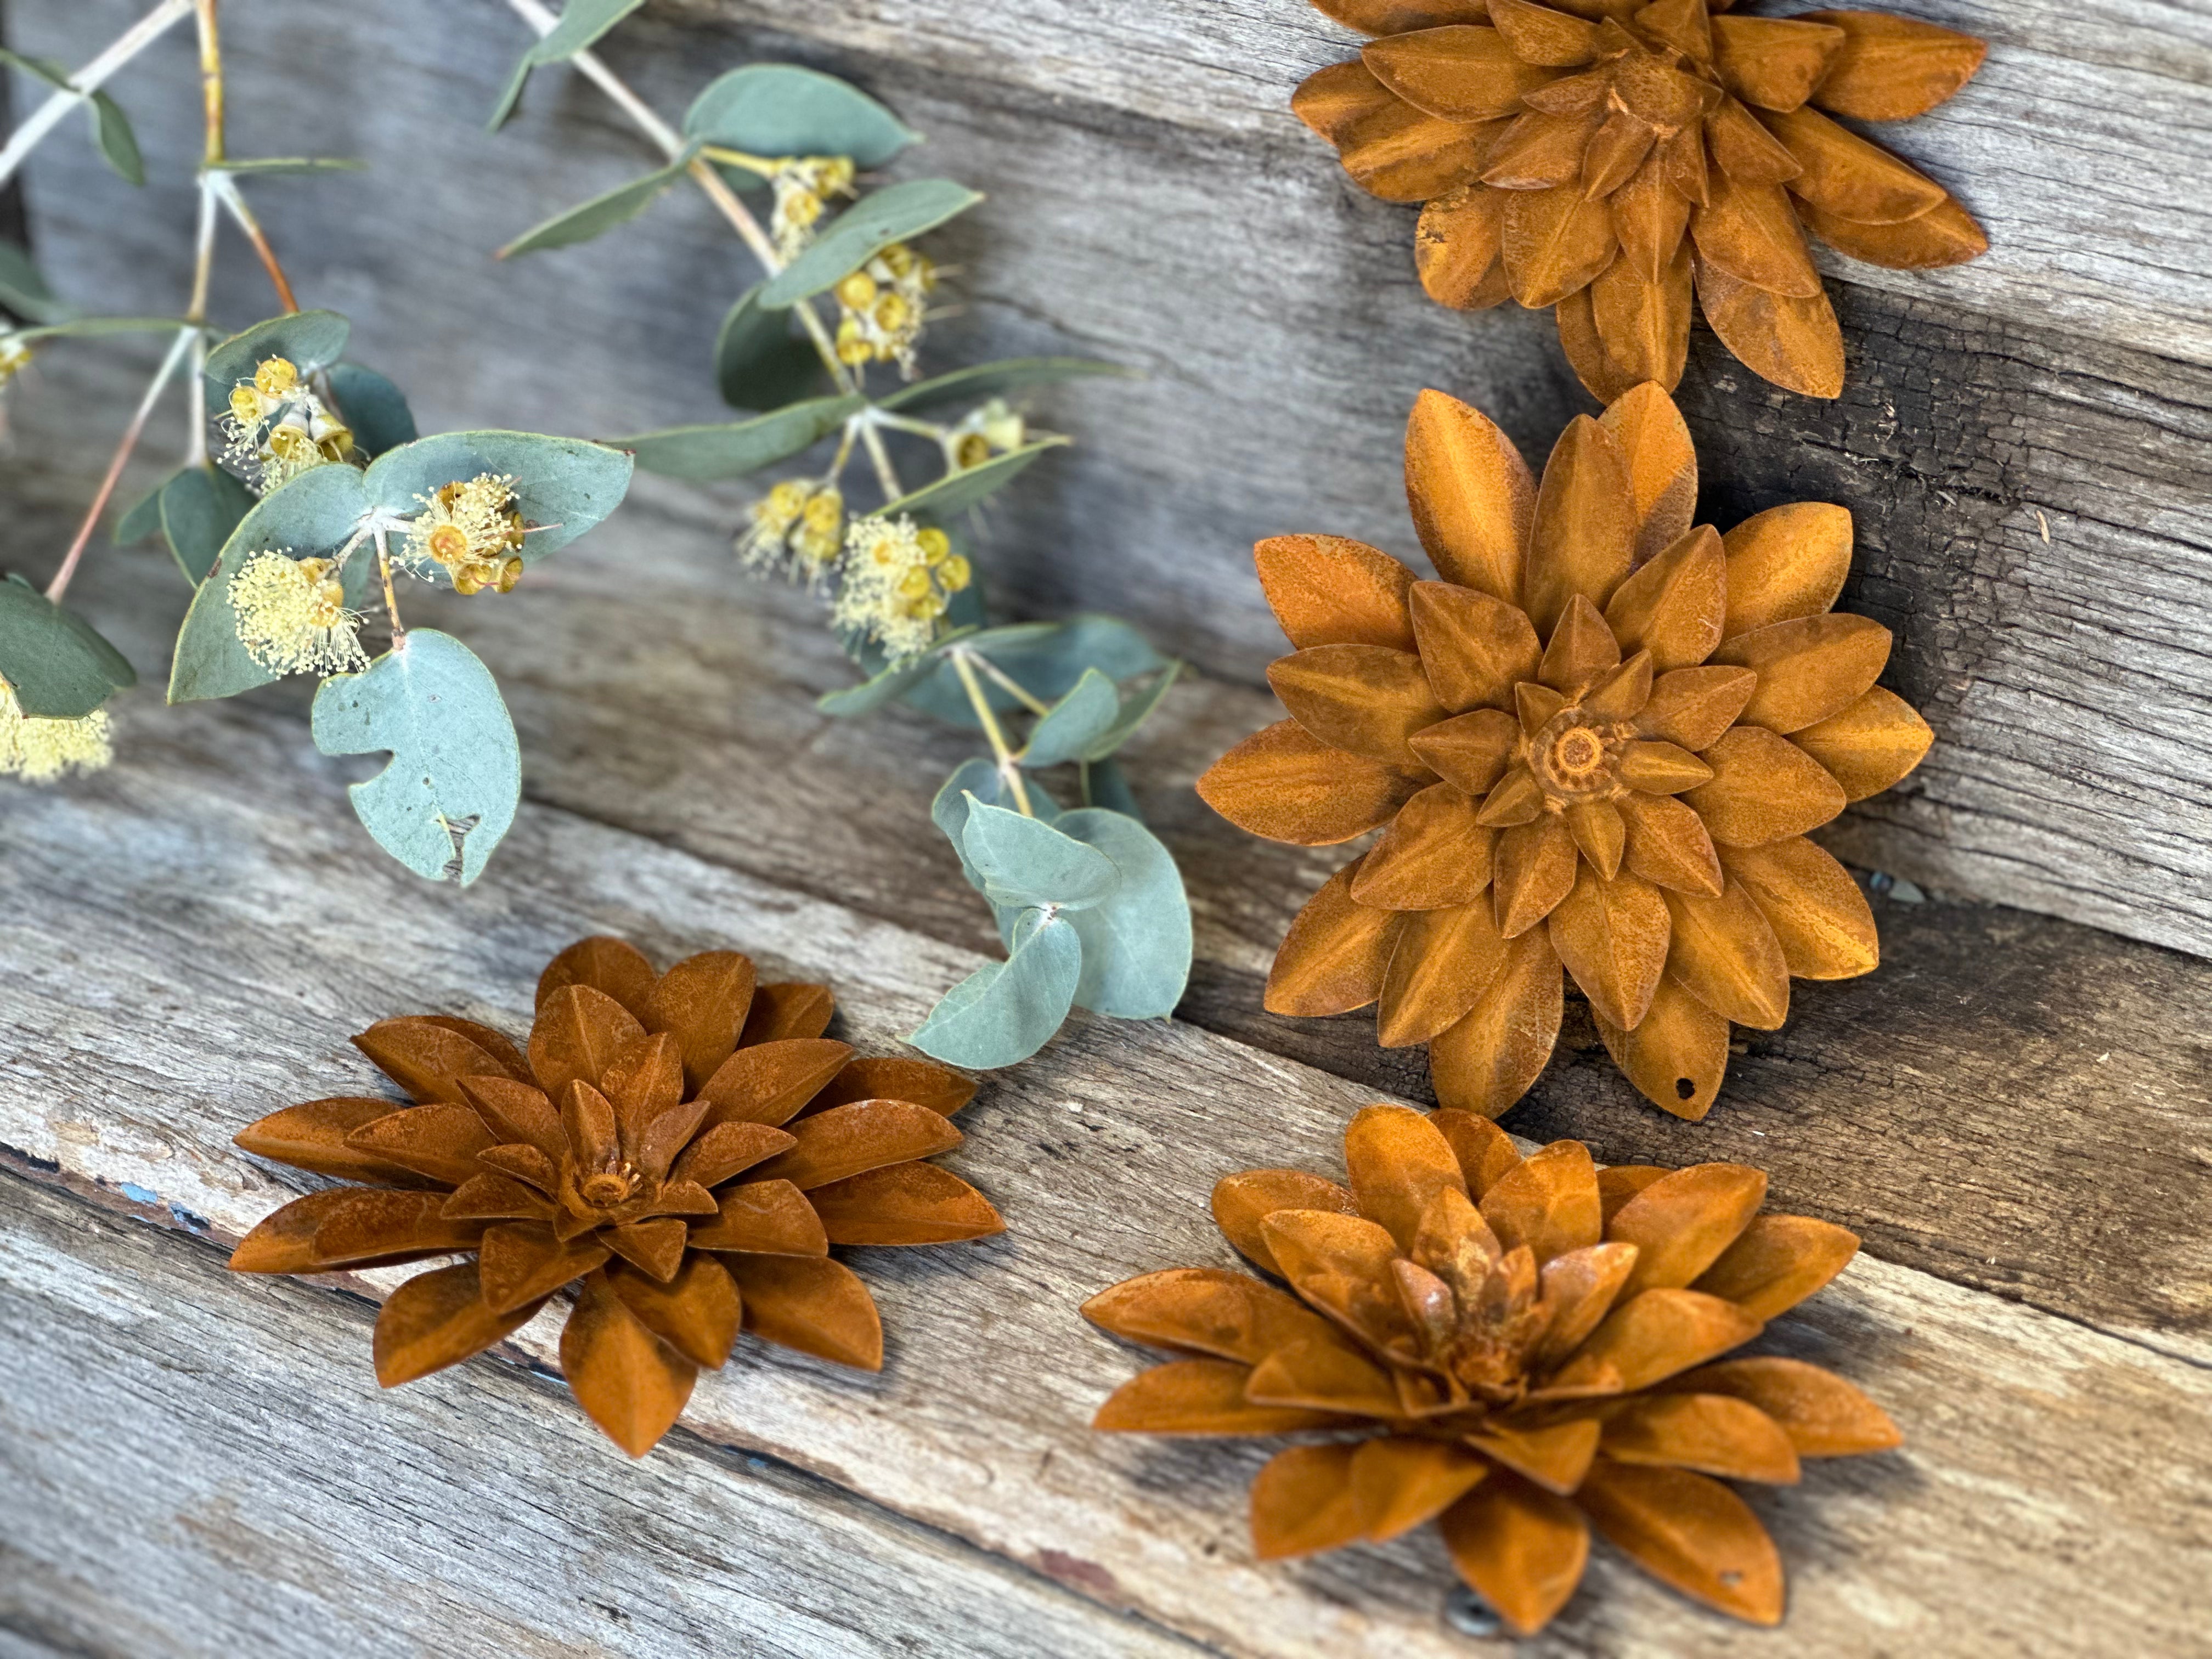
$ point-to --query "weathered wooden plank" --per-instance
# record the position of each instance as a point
(185, 941)
(2074, 770)
(2058, 145)
(276, 1502)
(658, 691)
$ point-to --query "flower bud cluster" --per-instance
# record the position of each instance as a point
(803, 187)
(990, 428)
(895, 583)
(277, 427)
(882, 305)
(802, 521)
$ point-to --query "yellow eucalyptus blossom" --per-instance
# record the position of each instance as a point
(473, 530)
(292, 616)
(897, 583)
(39, 750)
(803, 186)
(990, 428)
(277, 428)
(883, 307)
(803, 521)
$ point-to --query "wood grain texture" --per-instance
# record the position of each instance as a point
(278, 1498)
(2026, 1080)
(2067, 680)
(258, 933)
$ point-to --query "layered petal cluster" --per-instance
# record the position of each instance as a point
(1598, 741)
(1518, 1349)
(1605, 157)
(684, 1148)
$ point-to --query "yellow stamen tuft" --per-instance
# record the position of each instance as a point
(468, 529)
(38, 749)
(292, 616)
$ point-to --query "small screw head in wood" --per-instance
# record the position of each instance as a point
(1469, 1615)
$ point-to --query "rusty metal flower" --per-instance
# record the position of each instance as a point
(1593, 155)
(1518, 1349)
(1600, 741)
(683, 1147)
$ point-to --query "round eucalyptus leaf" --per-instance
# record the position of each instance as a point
(1024, 861)
(994, 379)
(1136, 945)
(982, 779)
(731, 449)
(200, 508)
(1006, 1011)
(780, 109)
(450, 792)
(598, 215)
(56, 663)
(311, 340)
(566, 485)
(759, 363)
(863, 231)
(373, 408)
(1074, 725)
(955, 492)
(312, 516)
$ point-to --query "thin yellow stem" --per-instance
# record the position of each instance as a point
(391, 601)
(963, 663)
(210, 79)
(244, 215)
(1013, 689)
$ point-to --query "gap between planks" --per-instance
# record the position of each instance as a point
(187, 941)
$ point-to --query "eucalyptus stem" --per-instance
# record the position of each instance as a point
(211, 152)
(59, 586)
(391, 601)
(226, 190)
(740, 217)
(963, 664)
(1034, 705)
(210, 41)
(125, 47)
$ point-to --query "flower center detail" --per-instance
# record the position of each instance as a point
(1574, 757)
(608, 1187)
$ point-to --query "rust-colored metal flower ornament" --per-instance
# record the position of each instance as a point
(683, 1147)
(1598, 741)
(1599, 155)
(1530, 1348)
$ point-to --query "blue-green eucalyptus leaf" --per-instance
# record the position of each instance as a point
(450, 792)
(117, 143)
(275, 167)
(373, 408)
(1074, 725)
(142, 517)
(600, 215)
(1006, 1011)
(1045, 659)
(1105, 784)
(23, 291)
(955, 492)
(776, 110)
(982, 779)
(731, 449)
(566, 485)
(994, 379)
(83, 327)
(863, 231)
(759, 363)
(1024, 861)
(1137, 945)
(57, 664)
(582, 22)
(312, 516)
(200, 508)
(1136, 707)
(887, 685)
(311, 340)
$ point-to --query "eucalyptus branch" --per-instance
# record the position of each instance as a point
(726, 203)
(87, 80)
(963, 664)
(175, 354)
(1006, 683)
(225, 191)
